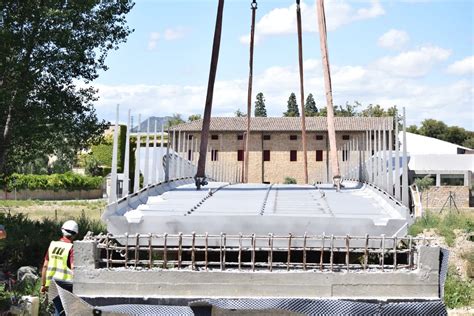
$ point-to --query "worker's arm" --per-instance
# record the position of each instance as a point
(43, 276)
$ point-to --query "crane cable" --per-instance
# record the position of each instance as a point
(200, 178)
(303, 116)
(253, 7)
(327, 83)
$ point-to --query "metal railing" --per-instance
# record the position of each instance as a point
(205, 252)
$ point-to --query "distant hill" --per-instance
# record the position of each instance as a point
(160, 121)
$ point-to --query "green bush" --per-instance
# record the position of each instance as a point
(289, 180)
(28, 240)
(457, 292)
(66, 181)
(444, 225)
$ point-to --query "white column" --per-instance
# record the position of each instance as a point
(155, 151)
(384, 159)
(397, 161)
(405, 199)
(160, 161)
(136, 184)
(146, 172)
(390, 162)
(113, 176)
(175, 160)
(126, 164)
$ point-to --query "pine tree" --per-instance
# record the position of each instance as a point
(310, 108)
(292, 107)
(260, 110)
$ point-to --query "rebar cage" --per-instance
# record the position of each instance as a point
(205, 252)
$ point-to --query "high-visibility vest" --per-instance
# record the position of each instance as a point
(58, 253)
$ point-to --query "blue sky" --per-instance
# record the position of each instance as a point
(413, 53)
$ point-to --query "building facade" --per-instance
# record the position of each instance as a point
(276, 149)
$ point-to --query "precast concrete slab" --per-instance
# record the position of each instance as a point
(261, 209)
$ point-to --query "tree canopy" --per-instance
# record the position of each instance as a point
(260, 110)
(194, 117)
(439, 130)
(292, 107)
(310, 108)
(46, 48)
(175, 120)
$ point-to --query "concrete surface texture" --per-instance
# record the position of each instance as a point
(261, 209)
(90, 281)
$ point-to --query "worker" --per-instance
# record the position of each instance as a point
(59, 262)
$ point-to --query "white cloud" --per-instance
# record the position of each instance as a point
(415, 63)
(393, 39)
(169, 34)
(462, 67)
(153, 40)
(451, 102)
(175, 33)
(338, 13)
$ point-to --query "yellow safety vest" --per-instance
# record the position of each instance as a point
(58, 253)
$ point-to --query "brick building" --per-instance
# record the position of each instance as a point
(276, 150)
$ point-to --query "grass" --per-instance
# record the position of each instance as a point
(57, 210)
(444, 224)
(457, 292)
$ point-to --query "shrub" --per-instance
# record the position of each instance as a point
(66, 181)
(28, 240)
(457, 293)
(289, 180)
(443, 224)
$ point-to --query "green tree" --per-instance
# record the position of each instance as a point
(260, 110)
(373, 111)
(310, 108)
(292, 107)
(413, 129)
(456, 135)
(239, 113)
(433, 128)
(469, 143)
(175, 120)
(194, 117)
(46, 48)
(424, 184)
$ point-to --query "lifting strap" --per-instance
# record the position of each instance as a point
(253, 7)
(200, 177)
(303, 116)
(327, 83)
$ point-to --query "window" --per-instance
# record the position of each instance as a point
(214, 137)
(214, 154)
(190, 155)
(266, 155)
(240, 137)
(452, 179)
(293, 155)
(293, 137)
(319, 155)
(345, 155)
(319, 137)
(345, 137)
(266, 137)
(190, 137)
(240, 155)
(461, 151)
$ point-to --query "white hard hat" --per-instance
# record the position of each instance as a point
(70, 228)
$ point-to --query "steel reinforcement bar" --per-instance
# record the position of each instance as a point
(258, 253)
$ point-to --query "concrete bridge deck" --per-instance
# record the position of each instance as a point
(260, 209)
